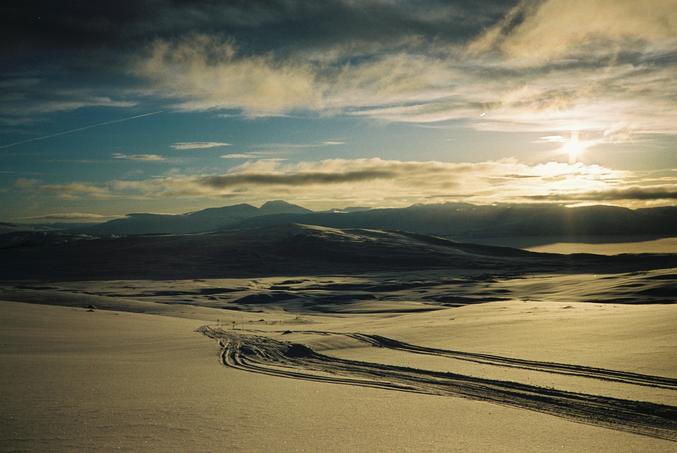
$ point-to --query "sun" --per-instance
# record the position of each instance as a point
(574, 148)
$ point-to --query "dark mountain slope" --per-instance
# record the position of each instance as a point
(469, 221)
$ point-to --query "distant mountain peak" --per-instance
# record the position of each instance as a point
(276, 203)
(282, 207)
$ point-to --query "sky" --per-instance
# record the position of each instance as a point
(113, 107)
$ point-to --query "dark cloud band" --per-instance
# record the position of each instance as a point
(632, 193)
(295, 179)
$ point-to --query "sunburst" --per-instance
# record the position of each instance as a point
(574, 148)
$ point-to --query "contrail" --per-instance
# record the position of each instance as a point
(44, 137)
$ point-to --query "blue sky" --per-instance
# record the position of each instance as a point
(114, 108)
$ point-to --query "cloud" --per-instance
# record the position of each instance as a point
(332, 143)
(75, 191)
(537, 31)
(301, 145)
(202, 72)
(279, 151)
(26, 103)
(23, 183)
(70, 217)
(618, 102)
(69, 102)
(181, 146)
(553, 139)
(297, 179)
(63, 105)
(141, 157)
(250, 155)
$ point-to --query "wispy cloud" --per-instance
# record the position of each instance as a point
(332, 143)
(250, 155)
(74, 191)
(28, 100)
(553, 139)
(183, 146)
(69, 217)
(321, 144)
(141, 157)
(280, 151)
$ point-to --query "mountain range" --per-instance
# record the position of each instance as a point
(459, 221)
(209, 219)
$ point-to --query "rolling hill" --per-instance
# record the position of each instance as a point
(290, 249)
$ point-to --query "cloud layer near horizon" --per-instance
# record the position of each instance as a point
(378, 182)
